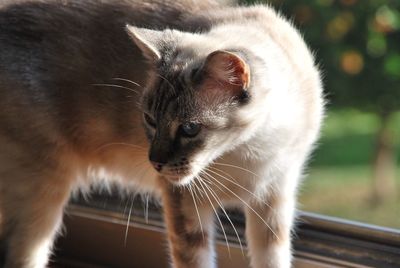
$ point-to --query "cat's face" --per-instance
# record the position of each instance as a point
(190, 107)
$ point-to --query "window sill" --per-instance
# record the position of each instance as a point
(96, 238)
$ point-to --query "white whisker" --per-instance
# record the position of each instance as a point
(166, 80)
(226, 214)
(127, 80)
(218, 187)
(247, 205)
(119, 143)
(197, 210)
(127, 223)
(117, 86)
(241, 168)
(223, 172)
(198, 188)
(243, 188)
(143, 171)
(146, 213)
(216, 214)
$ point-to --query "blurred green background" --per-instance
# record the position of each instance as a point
(355, 171)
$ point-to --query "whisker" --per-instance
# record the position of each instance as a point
(117, 86)
(138, 105)
(127, 80)
(198, 188)
(166, 80)
(197, 210)
(216, 214)
(146, 212)
(223, 172)
(127, 223)
(226, 214)
(125, 208)
(241, 168)
(143, 171)
(218, 187)
(247, 205)
(244, 188)
(119, 143)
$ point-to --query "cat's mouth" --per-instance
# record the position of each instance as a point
(179, 179)
(176, 174)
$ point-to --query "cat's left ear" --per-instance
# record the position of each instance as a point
(147, 40)
(229, 70)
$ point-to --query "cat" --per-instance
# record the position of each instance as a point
(231, 114)
(222, 108)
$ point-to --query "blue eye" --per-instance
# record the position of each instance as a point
(190, 129)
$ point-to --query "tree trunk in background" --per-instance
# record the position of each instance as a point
(384, 165)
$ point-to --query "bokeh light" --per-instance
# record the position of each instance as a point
(352, 62)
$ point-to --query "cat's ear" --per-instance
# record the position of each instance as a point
(229, 70)
(147, 40)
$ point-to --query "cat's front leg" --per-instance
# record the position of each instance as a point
(268, 231)
(189, 225)
(32, 208)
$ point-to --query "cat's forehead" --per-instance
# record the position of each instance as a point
(171, 95)
(172, 91)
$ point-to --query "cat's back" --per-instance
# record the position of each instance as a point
(50, 54)
(53, 55)
(42, 38)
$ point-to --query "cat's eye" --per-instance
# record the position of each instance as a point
(190, 129)
(149, 120)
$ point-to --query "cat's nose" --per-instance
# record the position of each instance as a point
(157, 166)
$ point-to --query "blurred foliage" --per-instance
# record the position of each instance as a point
(357, 45)
(348, 138)
(345, 192)
(339, 179)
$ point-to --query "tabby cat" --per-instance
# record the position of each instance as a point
(201, 104)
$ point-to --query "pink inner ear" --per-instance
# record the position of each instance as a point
(227, 73)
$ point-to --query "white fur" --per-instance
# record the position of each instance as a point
(272, 136)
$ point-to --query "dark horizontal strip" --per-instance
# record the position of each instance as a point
(342, 242)
(353, 242)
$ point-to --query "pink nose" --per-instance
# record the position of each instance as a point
(157, 166)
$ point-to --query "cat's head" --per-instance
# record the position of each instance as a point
(196, 103)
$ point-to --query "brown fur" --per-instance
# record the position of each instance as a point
(185, 236)
(58, 119)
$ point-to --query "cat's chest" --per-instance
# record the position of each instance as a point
(242, 175)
